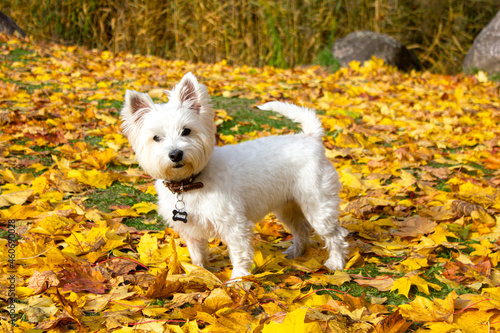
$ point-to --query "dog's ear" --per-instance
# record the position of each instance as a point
(137, 102)
(135, 107)
(191, 94)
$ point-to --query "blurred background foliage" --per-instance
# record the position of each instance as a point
(280, 33)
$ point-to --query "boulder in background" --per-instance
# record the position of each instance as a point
(484, 53)
(362, 45)
(9, 27)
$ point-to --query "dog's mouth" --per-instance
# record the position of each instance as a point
(178, 166)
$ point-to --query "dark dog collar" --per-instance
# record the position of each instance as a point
(183, 185)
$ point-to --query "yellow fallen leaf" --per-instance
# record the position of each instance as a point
(314, 300)
(126, 212)
(218, 299)
(268, 262)
(338, 278)
(228, 139)
(15, 178)
(99, 159)
(53, 225)
(414, 264)
(15, 198)
(39, 185)
(92, 177)
(144, 207)
(293, 323)
(425, 310)
(467, 322)
(404, 284)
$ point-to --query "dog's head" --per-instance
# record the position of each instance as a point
(175, 140)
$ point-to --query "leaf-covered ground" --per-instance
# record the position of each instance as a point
(418, 156)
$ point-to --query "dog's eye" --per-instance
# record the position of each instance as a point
(185, 132)
(156, 138)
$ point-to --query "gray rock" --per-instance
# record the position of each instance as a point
(9, 27)
(484, 53)
(362, 45)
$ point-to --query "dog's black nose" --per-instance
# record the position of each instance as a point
(176, 155)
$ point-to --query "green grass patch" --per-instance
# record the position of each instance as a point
(93, 140)
(247, 118)
(495, 77)
(482, 168)
(114, 106)
(117, 195)
(21, 55)
(138, 222)
(443, 186)
(326, 59)
(4, 233)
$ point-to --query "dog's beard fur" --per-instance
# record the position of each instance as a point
(289, 175)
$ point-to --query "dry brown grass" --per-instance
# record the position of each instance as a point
(256, 32)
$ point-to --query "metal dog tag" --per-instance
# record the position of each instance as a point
(179, 216)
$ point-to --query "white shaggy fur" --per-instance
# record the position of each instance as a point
(288, 175)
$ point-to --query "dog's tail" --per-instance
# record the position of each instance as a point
(310, 123)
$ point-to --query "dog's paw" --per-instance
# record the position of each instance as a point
(239, 273)
(292, 252)
(242, 282)
(335, 263)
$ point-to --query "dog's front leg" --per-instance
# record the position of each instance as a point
(198, 250)
(240, 251)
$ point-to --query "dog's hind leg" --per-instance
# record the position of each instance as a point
(334, 236)
(291, 215)
(320, 206)
(324, 219)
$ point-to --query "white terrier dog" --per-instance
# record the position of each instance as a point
(221, 192)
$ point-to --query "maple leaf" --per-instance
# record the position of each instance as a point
(218, 299)
(41, 281)
(424, 310)
(337, 279)
(380, 283)
(293, 322)
(404, 284)
(365, 206)
(269, 228)
(93, 178)
(121, 266)
(62, 320)
(162, 288)
(394, 323)
(93, 244)
(53, 225)
(15, 178)
(468, 321)
(144, 207)
(190, 298)
(99, 159)
(150, 253)
(38, 308)
(15, 197)
(118, 295)
(119, 319)
(414, 226)
(232, 321)
(268, 262)
(82, 277)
